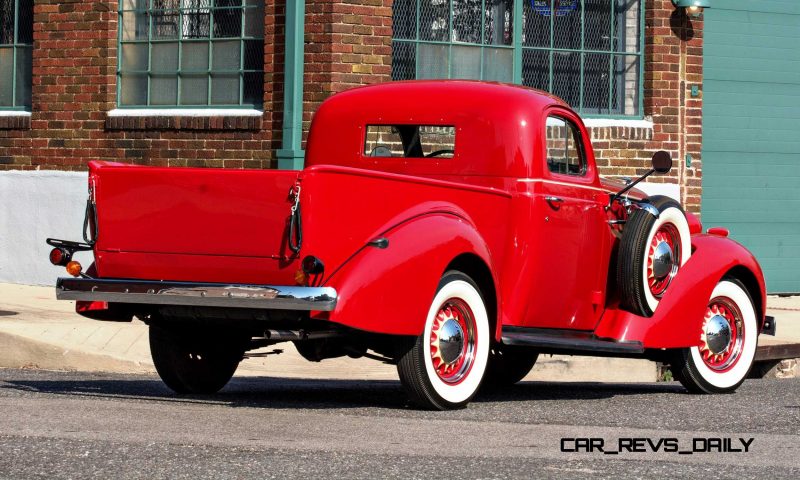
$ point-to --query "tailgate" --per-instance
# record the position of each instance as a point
(192, 211)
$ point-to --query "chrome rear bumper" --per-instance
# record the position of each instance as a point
(196, 294)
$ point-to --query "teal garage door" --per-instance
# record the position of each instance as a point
(751, 131)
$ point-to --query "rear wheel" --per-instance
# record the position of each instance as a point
(728, 343)
(444, 367)
(194, 362)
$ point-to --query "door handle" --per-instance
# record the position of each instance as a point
(553, 200)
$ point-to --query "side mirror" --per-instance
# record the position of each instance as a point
(662, 162)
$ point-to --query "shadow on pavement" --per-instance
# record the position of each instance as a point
(290, 393)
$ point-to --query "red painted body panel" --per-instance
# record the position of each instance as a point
(550, 264)
(192, 224)
(679, 317)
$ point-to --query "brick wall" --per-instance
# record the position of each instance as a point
(347, 43)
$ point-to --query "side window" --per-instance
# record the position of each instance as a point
(564, 147)
(410, 141)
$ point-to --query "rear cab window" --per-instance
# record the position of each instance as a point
(410, 141)
(565, 151)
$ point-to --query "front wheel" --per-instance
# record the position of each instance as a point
(444, 368)
(194, 362)
(728, 343)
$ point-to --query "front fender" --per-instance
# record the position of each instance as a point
(390, 290)
(678, 320)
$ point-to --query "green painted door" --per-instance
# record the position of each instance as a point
(751, 131)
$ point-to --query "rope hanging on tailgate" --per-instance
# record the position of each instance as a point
(90, 217)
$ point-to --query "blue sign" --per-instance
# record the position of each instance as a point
(561, 7)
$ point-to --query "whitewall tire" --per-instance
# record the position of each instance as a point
(729, 337)
(444, 368)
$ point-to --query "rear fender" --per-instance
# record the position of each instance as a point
(390, 290)
(678, 320)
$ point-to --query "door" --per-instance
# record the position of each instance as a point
(572, 233)
(751, 120)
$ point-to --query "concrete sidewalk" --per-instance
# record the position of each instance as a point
(37, 331)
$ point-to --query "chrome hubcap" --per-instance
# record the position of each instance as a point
(662, 260)
(722, 337)
(451, 341)
(718, 334)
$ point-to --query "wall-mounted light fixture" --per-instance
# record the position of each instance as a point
(693, 7)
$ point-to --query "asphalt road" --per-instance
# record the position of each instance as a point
(78, 425)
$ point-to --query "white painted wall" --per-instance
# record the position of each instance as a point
(669, 189)
(37, 205)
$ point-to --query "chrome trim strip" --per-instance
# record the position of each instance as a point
(197, 294)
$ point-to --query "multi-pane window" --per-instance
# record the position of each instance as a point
(191, 53)
(588, 52)
(16, 44)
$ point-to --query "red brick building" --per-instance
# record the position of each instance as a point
(204, 82)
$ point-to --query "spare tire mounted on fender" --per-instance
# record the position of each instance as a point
(651, 252)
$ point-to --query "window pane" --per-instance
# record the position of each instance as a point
(165, 24)
(627, 26)
(466, 21)
(254, 89)
(133, 90)
(564, 150)
(536, 25)
(6, 21)
(194, 56)
(625, 85)
(466, 62)
(225, 89)
(135, 26)
(6, 76)
(226, 55)
(196, 23)
(134, 57)
(432, 61)
(254, 22)
(403, 60)
(567, 77)
(597, 20)
(567, 25)
(227, 22)
(499, 22)
(410, 141)
(596, 85)
(536, 69)
(164, 90)
(164, 57)
(498, 64)
(25, 22)
(404, 19)
(254, 54)
(434, 20)
(135, 4)
(23, 73)
(194, 90)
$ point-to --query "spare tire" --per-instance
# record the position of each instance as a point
(651, 252)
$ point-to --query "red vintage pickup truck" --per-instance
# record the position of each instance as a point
(456, 229)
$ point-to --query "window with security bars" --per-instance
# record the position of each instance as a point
(588, 52)
(191, 53)
(16, 44)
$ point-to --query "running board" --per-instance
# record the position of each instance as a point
(557, 340)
